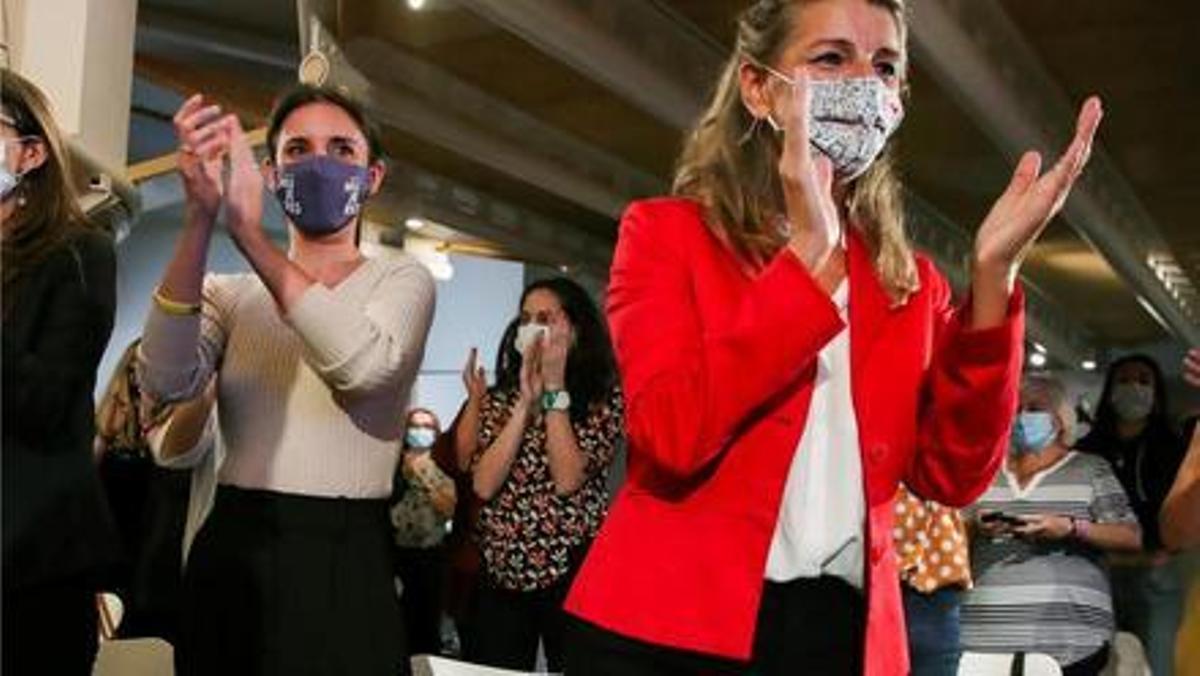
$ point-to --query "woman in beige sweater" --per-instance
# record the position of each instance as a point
(314, 355)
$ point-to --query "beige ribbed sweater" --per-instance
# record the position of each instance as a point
(312, 403)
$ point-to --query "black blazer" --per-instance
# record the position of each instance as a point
(56, 523)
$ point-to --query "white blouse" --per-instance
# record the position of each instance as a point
(820, 527)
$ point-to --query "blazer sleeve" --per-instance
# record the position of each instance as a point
(969, 400)
(690, 388)
(43, 380)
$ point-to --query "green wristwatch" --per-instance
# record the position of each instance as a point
(556, 400)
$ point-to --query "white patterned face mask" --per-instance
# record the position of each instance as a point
(850, 121)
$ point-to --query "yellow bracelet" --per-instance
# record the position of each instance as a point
(174, 307)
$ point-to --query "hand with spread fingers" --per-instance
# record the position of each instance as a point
(1020, 214)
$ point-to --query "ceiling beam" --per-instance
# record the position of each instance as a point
(980, 57)
(165, 32)
(387, 65)
(645, 56)
(413, 114)
(414, 191)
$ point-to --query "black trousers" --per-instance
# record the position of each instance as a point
(421, 571)
(509, 624)
(807, 626)
(50, 629)
(287, 584)
(1089, 666)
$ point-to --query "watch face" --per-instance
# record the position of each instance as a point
(556, 401)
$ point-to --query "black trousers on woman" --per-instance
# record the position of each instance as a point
(287, 584)
(421, 571)
(806, 626)
(509, 624)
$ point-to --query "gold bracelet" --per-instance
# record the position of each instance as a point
(174, 307)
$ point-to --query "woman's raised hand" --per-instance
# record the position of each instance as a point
(807, 179)
(1031, 200)
(203, 137)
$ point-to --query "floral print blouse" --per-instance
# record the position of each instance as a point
(527, 534)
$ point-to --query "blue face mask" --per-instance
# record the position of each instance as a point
(420, 437)
(1033, 432)
(321, 195)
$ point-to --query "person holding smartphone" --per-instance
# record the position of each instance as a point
(1040, 534)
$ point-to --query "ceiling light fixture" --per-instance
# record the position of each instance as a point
(1088, 364)
(1037, 360)
(414, 223)
(416, 5)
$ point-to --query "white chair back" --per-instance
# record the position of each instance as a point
(432, 665)
(1001, 664)
(1127, 657)
(140, 656)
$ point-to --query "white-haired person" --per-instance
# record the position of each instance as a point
(1040, 534)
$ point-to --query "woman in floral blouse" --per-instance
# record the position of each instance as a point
(548, 430)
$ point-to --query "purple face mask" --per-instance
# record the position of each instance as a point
(322, 195)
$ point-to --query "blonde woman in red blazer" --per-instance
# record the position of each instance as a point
(721, 300)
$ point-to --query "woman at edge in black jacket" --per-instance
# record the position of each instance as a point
(1133, 431)
(58, 302)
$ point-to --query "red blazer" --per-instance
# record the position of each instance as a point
(717, 361)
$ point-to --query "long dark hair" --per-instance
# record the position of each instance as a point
(49, 213)
(591, 367)
(1106, 415)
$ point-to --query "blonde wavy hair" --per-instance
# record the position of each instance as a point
(734, 173)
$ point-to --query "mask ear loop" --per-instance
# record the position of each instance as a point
(751, 130)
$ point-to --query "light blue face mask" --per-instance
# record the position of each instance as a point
(9, 180)
(420, 437)
(1033, 432)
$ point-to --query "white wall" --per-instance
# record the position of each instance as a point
(472, 310)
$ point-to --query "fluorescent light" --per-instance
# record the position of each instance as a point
(1037, 360)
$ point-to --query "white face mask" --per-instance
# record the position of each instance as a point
(1132, 401)
(528, 333)
(850, 121)
(420, 437)
(8, 179)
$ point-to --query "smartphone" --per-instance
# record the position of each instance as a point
(1010, 520)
